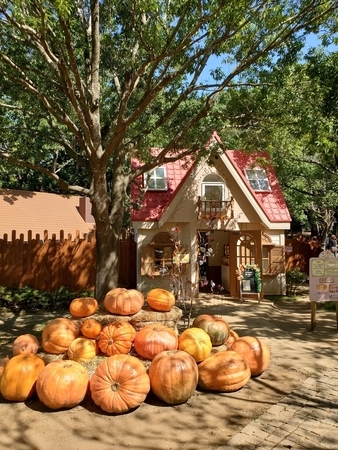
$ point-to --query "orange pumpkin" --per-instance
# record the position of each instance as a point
(123, 301)
(117, 338)
(160, 299)
(58, 335)
(91, 328)
(233, 336)
(25, 343)
(173, 376)
(82, 349)
(216, 327)
(83, 306)
(153, 339)
(18, 380)
(62, 384)
(255, 351)
(225, 371)
(119, 384)
(196, 342)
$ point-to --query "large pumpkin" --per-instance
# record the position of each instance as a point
(160, 299)
(58, 335)
(83, 306)
(18, 380)
(153, 339)
(119, 384)
(117, 338)
(123, 301)
(216, 327)
(82, 349)
(25, 343)
(233, 336)
(196, 342)
(225, 371)
(62, 384)
(255, 351)
(173, 376)
(91, 328)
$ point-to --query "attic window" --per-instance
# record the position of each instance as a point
(213, 188)
(258, 179)
(156, 180)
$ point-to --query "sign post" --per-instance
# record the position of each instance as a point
(323, 282)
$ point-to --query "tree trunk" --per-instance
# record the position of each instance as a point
(108, 214)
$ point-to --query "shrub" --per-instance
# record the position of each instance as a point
(28, 299)
(294, 278)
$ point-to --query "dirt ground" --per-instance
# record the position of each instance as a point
(208, 420)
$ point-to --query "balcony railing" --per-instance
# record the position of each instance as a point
(215, 209)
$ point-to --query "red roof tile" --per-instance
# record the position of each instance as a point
(156, 202)
(271, 202)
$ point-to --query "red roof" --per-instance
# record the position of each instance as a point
(154, 203)
(272, 202)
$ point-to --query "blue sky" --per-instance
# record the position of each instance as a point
(311, 41)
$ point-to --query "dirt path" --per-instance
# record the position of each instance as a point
(206, 421)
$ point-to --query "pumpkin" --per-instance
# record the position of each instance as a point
(255, 351)
(173, 376)
(119, 384)
(18, 380)
(25, 343)
(233, 336)
(123, 301)
(58, 335)
(153, 339)
(225, 371)
(160, 299)
(216, 327)
(196, 342)
(117, 338)
(91, 328)
(82, 349)
(83, 306)
(62, 384)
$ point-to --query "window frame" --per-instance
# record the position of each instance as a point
(257, 179)
(152, 175)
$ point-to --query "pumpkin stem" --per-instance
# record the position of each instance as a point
(115, 386)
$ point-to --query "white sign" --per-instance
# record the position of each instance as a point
(324, 278)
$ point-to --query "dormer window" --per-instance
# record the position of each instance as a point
(258, 179)
(156, 180)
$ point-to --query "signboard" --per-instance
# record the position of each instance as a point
(248, 282)
(324, 278)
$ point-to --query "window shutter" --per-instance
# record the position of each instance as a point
(277, 258)
(147, 261)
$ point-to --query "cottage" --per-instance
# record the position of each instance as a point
(199, 222)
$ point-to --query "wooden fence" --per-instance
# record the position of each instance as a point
(47, 263)
(298, 253)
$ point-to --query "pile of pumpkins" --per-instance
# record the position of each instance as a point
(208, 355)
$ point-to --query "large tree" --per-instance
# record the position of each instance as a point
(95, 82)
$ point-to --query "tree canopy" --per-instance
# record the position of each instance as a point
(90, 84)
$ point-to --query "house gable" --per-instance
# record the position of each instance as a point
(270, 205)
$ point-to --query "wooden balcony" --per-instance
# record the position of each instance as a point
(215, 209)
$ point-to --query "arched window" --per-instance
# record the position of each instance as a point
(213, 188)
(246, 253)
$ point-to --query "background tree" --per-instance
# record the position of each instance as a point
(94, 83)
(295, 117)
